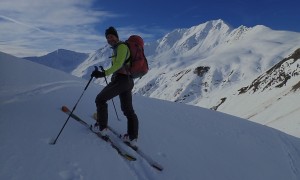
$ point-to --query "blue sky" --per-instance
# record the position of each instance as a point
(37, 27)
(277, 14)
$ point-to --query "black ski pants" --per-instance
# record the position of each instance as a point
(121, 85)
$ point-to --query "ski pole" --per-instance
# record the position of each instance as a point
(102, 69)
(54, 141)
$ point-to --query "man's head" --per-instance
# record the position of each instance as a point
(112, 36)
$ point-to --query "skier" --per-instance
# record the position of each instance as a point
(121, 85)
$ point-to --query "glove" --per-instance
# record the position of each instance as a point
(97, 74)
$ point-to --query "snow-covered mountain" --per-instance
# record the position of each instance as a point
(84, 69)
(209, 65)
(62, 59)
(270, 99)
(189, 141)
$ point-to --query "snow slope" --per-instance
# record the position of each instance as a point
(189, 141)
(272, 98)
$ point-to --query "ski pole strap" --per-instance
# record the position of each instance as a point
(101, 67)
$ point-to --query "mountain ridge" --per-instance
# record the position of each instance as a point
(62, 59)
(206, 65)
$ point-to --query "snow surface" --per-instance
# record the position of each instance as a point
(190, 142)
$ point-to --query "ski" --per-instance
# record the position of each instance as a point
(138, 150)
(122, 152)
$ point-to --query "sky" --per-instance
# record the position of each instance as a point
(38, 27)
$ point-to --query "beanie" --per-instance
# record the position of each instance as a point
(111, 30)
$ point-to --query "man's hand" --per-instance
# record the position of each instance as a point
(97, 74)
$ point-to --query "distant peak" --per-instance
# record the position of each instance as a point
(216, 22)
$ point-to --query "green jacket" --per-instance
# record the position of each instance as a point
(120, 54)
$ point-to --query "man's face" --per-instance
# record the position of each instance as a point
(112, 39)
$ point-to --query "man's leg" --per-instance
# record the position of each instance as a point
(110, 91)
(132, 119)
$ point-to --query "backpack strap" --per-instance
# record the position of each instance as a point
(115, 48)
(118, 61)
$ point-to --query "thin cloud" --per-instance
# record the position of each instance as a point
(21, 23)
(44, 26)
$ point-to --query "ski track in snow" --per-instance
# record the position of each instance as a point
(265, 105)
(75, 172)
(38, 90)
(283, 116)
(139, 168)
(287, 146)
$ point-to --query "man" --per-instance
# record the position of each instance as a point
(121, 85)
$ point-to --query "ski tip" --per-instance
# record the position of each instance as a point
(65, 109)
(157, 167)
(130, 158)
